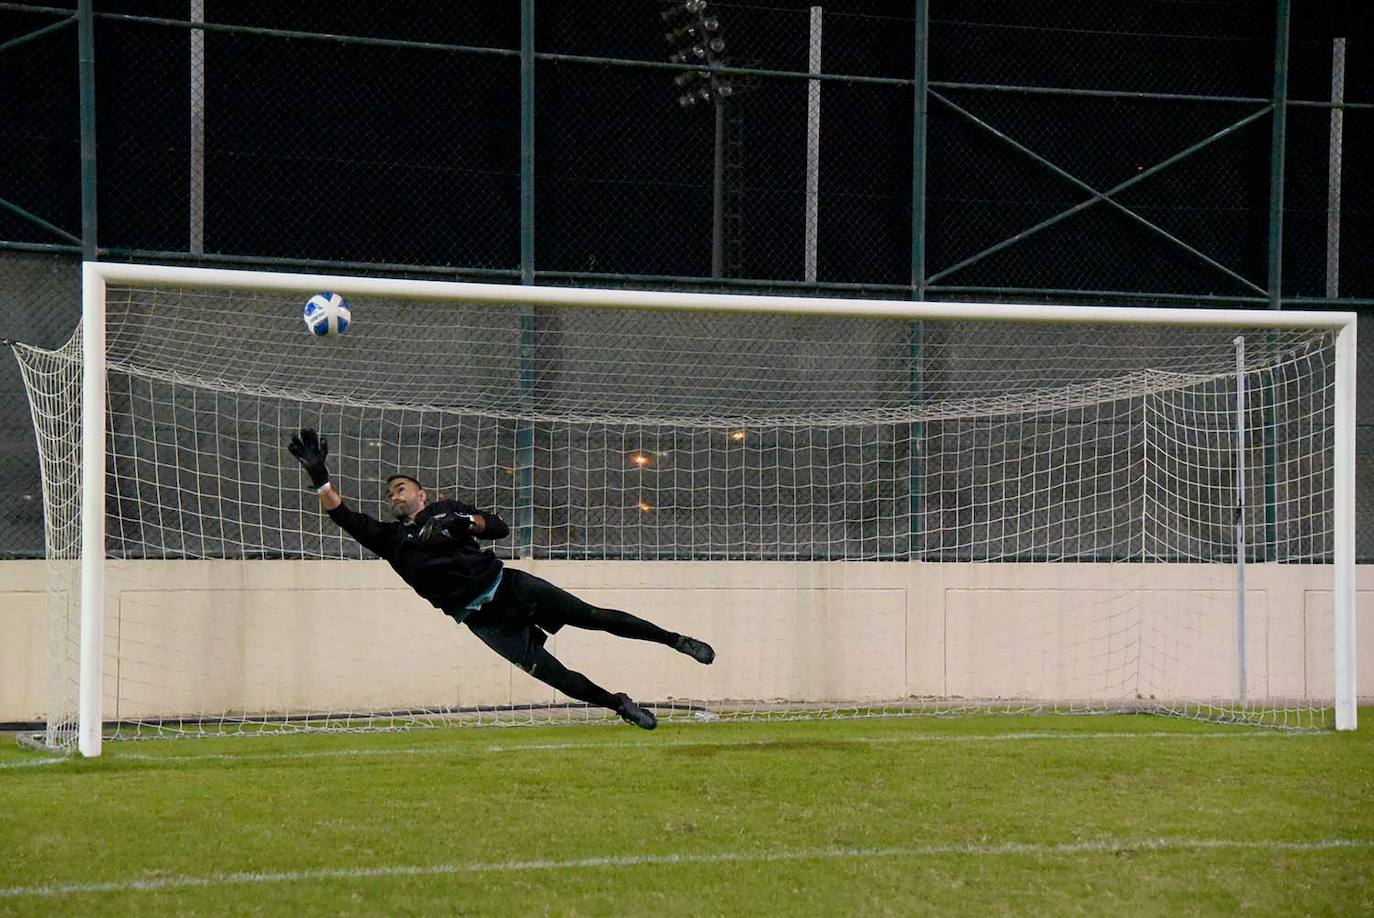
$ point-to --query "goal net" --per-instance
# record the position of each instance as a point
(867, 507)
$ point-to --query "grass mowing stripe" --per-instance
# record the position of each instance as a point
(1107, 846)
(672, 744)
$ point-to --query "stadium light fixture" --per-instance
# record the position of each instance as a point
(695, 39)
(687, 8)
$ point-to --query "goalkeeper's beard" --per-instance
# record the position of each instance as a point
(406, 512)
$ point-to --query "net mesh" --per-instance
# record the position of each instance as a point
(704, 438)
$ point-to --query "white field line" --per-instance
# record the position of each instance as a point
(650, 746)
(29, 763)
(1005, 849)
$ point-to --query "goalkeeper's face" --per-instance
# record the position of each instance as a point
(407, 498)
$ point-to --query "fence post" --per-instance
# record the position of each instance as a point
(1278, 138)
(918, 153)
(86, 41)
(524, 428)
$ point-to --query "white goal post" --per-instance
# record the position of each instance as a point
(983, 442)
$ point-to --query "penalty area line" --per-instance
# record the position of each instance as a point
(1006, 849)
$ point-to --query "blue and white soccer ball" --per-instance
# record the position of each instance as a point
(327, 314)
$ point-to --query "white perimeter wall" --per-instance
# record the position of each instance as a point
(196, 636)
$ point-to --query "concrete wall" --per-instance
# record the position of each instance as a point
(266, 636)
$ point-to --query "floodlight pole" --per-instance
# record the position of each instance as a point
(718, 193)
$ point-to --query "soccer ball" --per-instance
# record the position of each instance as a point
(327, 314)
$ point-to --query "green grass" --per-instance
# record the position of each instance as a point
(975, 815)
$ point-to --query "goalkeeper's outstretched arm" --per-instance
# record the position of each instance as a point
(312, 451)
(330, 499)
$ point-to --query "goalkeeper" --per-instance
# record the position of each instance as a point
(433, 546)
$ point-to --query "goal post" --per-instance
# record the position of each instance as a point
(782, 430)
(90, 678)
(1343, 469)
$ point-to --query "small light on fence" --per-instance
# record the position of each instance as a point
(641, 459)
(737, 436)
(645, 507)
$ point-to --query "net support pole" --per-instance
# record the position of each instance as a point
(1239, 342)
(524, 428)
(1343, 497)
(91, 679)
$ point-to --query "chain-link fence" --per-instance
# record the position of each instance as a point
(1052, 148)
(1118, 152)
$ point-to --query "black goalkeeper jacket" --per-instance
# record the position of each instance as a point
(434, 552)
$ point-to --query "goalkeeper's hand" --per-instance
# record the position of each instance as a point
(311, 450)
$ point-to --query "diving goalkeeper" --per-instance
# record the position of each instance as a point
(433, 546)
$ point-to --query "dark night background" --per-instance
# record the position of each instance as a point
(407, 159)
(333, 151)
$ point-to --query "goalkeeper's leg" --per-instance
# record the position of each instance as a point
(523, 645)
(555, 607)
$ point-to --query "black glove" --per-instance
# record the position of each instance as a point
(311, 449)
(461, 525)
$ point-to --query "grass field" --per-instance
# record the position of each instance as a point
(977, 815)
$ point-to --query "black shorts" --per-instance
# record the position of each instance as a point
(520, 617)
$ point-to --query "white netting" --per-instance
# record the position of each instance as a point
(53, 382)
(789, 442)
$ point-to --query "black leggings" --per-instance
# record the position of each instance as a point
(514, 624)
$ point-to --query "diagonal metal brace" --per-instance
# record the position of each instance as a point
(35, 219)
(1102, 196)
(37, 33)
